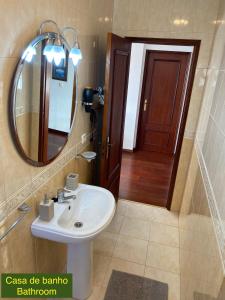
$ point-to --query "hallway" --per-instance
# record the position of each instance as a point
(145, 177)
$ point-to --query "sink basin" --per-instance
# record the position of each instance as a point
(93, 207)
(77, 223)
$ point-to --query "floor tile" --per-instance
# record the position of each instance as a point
(164, 216)
(121, 207)
(123, 266)
(164, 234)
(131, 249)
(147, 212)
(101, 294)
(135, 228)
(116, 224)
(95, 293)
(105, 243)
(100, 267)
(140, 211)
(173, 281)
(163, 257)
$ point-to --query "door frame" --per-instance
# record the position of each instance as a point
(194, 58)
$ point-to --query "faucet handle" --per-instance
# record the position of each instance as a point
(60, 195)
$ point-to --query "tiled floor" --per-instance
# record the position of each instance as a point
(142, 240)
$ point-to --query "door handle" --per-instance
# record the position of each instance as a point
(145, 104)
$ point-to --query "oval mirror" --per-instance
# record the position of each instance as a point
(43, 103)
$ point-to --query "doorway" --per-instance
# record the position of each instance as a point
(147, 165)
(147, 170)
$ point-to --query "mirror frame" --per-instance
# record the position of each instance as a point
(12, 100)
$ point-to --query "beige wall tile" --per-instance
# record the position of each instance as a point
(50, 256)
(182, 171)
(138, 15)
(192, 173)
(120, 16)
(22, 250)
(5, 261)
(2, 182)
(200, 261)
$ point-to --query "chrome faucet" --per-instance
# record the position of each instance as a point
(62, 198)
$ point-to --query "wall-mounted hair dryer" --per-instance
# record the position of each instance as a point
(88, 97)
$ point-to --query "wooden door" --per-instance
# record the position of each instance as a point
(163, 94)
(116, 79)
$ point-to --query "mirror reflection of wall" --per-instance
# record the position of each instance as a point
(61, 106)
(28, 106)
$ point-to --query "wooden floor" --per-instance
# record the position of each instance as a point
(145, 177)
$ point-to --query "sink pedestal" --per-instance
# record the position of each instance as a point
(94, 208)
(79, 263)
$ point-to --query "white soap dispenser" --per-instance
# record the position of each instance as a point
(46, 209)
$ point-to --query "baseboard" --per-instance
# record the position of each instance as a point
(128, 150)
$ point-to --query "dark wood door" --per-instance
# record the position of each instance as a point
(163, 94)
(116, 79)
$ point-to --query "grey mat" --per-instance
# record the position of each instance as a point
(124, 286)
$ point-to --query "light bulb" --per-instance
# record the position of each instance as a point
(75, 55)
(58, 54)
(49, 53)
(29, 53)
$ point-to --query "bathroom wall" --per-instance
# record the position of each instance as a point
(174, 19)
(202, 229)
(202, 274)
(20, 20)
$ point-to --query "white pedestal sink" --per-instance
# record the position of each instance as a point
(92, 210)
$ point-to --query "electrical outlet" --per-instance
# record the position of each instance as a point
(83, 138)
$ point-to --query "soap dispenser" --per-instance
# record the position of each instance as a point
(46, 209)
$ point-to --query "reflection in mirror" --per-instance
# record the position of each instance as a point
(44, 104)
(61, 106)
(28, 105)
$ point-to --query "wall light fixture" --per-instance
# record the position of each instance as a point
(54, 50)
